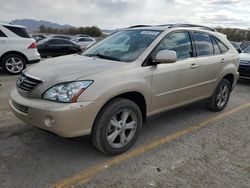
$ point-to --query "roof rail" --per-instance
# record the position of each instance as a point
(177, 25)
(190, 25)
(134, 26)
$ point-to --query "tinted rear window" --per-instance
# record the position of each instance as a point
(222, 46)
(21, 32)
(216, 47)
(204, 44)
(2, 34)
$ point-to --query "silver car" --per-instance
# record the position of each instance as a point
(113, 86)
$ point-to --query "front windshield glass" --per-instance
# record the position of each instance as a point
(247, 50)
(125, 45)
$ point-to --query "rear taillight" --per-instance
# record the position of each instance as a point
(32, 46)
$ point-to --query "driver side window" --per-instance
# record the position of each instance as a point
(179, 42)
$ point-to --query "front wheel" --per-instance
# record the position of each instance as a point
(220, 97)
(117, 126)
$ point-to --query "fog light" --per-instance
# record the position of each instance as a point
(49, 121)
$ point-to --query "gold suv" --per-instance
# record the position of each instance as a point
(110, 88)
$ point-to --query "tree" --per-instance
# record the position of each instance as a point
(92, 31)
(42, 29)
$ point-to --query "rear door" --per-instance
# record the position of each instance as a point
(211, 61)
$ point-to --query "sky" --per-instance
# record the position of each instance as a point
(111, 14)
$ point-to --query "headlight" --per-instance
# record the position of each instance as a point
(66, 92)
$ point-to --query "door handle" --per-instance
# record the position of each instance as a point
(193, 66)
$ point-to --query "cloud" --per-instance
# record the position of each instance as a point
(123, 13)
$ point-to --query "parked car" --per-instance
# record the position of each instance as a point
(236, 46)
(62, 37)
(38, 37)
(244, 45)
(84, 42)
(17, 48)
(244, 68)
(81, 35)
(56, 47)
(112, 87)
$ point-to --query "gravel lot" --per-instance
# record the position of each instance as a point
(218, 155)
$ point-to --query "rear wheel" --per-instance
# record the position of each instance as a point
(117, 126)
(220, 97)
(13, 64)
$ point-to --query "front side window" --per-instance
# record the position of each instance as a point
(125, 45)
(204, 46)
(2, 34)
(179, 42)
(52, 42)
(62, 41)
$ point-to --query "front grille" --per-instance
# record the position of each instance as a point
(20, 107)
(244, 70)
(27, 83)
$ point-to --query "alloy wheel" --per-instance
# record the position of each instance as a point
(222, 96)
(121, 128)
(14, 65)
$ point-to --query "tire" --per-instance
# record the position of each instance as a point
(114, 137)
(220, 97)
(13, 64)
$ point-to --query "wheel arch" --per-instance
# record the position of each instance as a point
(230, 78)
(12, 52)
(134, 96)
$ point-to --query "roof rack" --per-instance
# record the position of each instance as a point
(190, 25)
(176, 25)
(134, 26)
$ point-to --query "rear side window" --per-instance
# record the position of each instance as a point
(222, 46)
(179, 42)
(21, 32)
(204, 44)
(216, 47)
(2, 34)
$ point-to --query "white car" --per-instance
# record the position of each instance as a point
(244, 68)
(84, 42)
(17, 48)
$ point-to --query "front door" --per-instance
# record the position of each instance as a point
(175, 84)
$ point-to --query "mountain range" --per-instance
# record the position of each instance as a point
(33, 25)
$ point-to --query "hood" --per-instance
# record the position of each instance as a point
(71, 67)
(245, 56)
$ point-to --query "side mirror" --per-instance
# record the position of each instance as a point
(165, 56)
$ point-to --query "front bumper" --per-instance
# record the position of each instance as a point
(63, 119)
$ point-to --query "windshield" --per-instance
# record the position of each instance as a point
(125, 45)
(247, 50)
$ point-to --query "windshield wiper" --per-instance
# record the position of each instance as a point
(103, 57)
